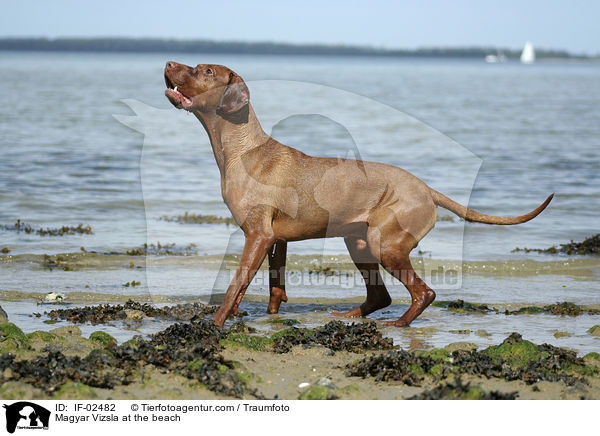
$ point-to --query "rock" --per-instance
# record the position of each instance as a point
(40, 339)
(595, 330)
(12, 337)
(463, 346)
(75, 391)
(460, 332)
(423, 330)
(241, 327)
(7, 374)
(3, 316)
(482, 333)
(134, 315)
(592, 359)
(54, 297)
(325, 382)
(558, 335)
(303, 385)
(460, 306)
(317, 393)
(349, 389)
(288, 322)
(69, 330)
(103, 338)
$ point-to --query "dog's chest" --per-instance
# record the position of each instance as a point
(246, 195)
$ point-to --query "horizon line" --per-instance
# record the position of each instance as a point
(52, 43)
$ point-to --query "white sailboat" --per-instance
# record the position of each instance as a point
(528, 54)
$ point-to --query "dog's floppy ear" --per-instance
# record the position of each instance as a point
(235, 96)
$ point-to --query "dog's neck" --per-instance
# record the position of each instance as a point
(230, 138)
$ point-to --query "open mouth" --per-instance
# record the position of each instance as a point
(176, 97)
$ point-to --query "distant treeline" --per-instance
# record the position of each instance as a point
(154, 45)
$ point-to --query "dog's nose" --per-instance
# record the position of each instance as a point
(170, 65)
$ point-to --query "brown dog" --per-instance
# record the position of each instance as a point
(278, 194)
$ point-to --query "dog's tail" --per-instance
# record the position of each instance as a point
(470, 215)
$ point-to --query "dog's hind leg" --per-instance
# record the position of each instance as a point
(393, 246)
(277, 276)
(368, 265)
(421, 294)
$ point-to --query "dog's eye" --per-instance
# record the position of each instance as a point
(209, 71)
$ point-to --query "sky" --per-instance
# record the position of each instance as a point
(570, 25)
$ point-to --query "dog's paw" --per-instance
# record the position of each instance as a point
(397, 323)
(354, 313)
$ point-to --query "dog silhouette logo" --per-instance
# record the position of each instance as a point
(26, 415)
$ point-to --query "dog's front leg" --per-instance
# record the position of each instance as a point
(255, 250)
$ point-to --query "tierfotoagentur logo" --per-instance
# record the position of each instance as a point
(25, 415)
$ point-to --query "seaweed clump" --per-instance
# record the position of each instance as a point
(159, 249)
(192, 218)
(57, 261)
(105, 312)
(335, 335)
(355, 337)
(53, 369)
(286, 339)
(461, 306)
(318, 268)
(288, 322)
(61, 231)
(462, 391)
(191, 350)
(564, 308)
(519, 359)
(590, 245)
(403, 366)
(514, 359)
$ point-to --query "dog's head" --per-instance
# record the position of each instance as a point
(206, 88)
